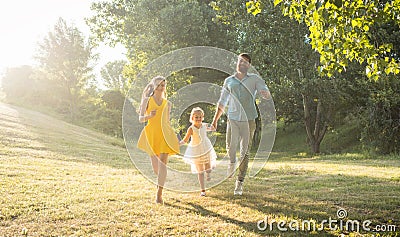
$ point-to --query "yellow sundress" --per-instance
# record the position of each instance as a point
(158, 136)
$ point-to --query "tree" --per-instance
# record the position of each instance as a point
(112, 75)
(286, 61)
(64, 56)
(113, 99)
(340, 31)
(149, 29)
(380, 117)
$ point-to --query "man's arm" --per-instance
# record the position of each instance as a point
(218, 112)
(262, 88)
(222, 102)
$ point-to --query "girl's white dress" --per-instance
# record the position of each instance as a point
(200, 151)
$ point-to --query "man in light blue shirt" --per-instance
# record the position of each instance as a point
(239, 93)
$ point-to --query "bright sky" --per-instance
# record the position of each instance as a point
(24, 23)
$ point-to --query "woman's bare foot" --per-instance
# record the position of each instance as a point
(159, 200)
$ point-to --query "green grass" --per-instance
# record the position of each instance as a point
(57, 179)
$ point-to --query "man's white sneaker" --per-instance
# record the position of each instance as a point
(238, 188)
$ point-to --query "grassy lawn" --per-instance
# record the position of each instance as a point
(57, 179)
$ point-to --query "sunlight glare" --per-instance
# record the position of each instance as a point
(24, 23)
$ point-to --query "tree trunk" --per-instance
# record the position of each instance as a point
(316, 135)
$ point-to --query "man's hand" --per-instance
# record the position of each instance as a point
(265, 94)
(214, 126)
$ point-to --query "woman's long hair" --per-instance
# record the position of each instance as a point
(149, 89)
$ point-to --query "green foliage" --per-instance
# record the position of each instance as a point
(149, 29)
(345, 137)
(112, 75)
(354, 41)
(277, 49)
(101, 111)
(341, 32)
(381, 118)
(283, 51)
(108, 121)
(64, 58)
(288, 64)
(290, 138)
(113, 99)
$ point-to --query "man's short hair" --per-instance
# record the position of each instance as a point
(246, 56)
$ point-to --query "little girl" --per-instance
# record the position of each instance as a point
(200, 153)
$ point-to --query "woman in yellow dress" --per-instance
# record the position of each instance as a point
(157, 139)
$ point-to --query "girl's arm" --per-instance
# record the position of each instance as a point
(187, 136)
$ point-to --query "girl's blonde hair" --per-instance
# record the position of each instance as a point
(149, 89)
(196, 110)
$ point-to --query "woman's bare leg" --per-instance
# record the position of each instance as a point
(162, 175)
(154, 163)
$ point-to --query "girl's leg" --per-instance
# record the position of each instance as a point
(162, 175)
(200, 176)
(154, 163)
(207, 167)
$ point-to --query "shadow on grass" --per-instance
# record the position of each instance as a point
(252, 226)
(198, 209)
(306, 195)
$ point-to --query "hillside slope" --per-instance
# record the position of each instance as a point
(55, 178)
(25, 132)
